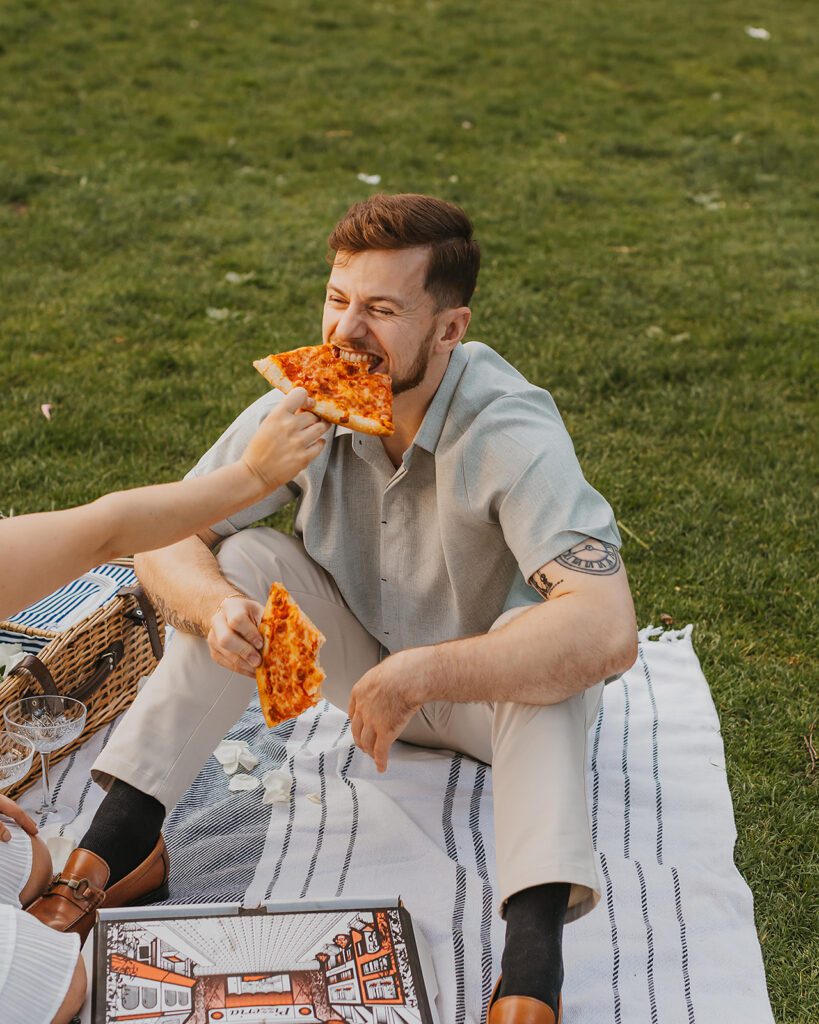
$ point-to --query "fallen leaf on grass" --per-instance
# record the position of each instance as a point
(370, 179)
(708, 200)
(666, 619)
(757, 32)
(684, 336)
(233, 278)
(655, 331)
(213, 313)
(45, 409)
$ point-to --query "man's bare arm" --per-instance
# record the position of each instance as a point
(584, 631)
(185, 583)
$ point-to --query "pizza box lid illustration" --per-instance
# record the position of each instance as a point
(335, 961)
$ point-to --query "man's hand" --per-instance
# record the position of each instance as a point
(385, 699)
(11, 810)
(234, 638)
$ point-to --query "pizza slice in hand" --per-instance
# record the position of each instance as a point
(345, 393)
(289, 676)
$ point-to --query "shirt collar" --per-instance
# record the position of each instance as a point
(432, 425)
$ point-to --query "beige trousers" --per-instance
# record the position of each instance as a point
(537, 754)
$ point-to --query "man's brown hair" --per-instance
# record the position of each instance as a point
(408, 220)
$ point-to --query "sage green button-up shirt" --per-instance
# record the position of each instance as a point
(488, 492)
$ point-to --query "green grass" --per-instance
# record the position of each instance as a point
(643, 182)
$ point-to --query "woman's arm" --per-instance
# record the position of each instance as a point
(39, 552)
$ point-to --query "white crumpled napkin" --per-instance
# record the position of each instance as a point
(276, 787)
(233, 754)
(60, 848)
(10, 655)
(241, 782)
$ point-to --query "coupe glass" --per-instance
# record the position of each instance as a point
(50, 723)
(16, 755)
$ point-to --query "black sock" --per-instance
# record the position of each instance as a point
(532, 961)
(125, 829)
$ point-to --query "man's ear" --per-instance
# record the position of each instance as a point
(454, 323)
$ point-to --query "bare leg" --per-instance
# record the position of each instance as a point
(40, 875)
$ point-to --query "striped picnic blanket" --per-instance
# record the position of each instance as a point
(673, 941)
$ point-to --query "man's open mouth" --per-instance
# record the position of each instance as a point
(373, 362)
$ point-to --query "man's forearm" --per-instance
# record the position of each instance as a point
(185, 583)
(543, 656)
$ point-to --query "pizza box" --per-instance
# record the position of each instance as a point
(319, 962)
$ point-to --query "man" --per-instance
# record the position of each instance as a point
(466, 576)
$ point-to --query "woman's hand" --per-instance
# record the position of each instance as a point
(10, 809)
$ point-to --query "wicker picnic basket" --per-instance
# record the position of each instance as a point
(99, 660)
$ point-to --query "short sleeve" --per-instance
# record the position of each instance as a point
(228, 449)
(522, 472)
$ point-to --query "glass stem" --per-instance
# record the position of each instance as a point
(46, 785)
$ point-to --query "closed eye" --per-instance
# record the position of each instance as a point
(382, 312)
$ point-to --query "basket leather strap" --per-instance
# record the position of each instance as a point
(144, 613)
(36, 668)
(105, 665)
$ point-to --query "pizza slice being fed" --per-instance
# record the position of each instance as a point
(289, 676)
(344, 392)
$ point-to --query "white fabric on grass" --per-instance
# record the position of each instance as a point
(673, 940)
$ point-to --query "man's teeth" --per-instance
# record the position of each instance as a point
(357, 357)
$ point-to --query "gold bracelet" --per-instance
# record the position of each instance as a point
(228, 598)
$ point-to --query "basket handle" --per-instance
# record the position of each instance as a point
(106, 663)
(145, 615)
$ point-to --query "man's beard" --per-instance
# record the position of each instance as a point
(416, 373)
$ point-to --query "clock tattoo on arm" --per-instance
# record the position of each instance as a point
(591, 556)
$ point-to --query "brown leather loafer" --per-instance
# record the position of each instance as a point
(521, 1010)
(71, 901)
(147, 883)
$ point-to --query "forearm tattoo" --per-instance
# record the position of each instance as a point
(173, 618)
(543, 585)
(591, 556)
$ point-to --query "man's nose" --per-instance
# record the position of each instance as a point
(351, 325)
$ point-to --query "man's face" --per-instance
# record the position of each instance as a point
(377, 311)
